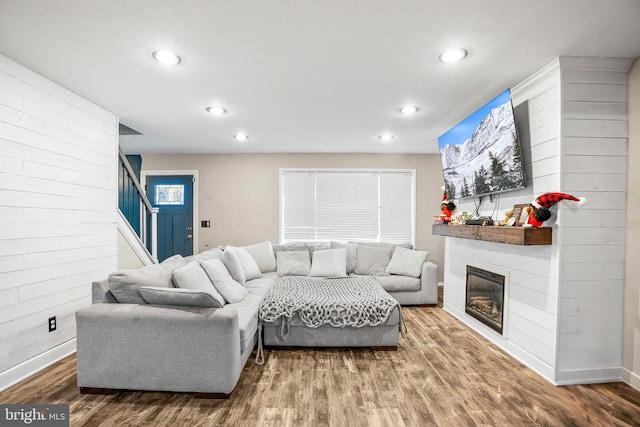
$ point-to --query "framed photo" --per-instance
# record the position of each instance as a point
(520, 214)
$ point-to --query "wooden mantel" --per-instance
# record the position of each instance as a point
(510, 235)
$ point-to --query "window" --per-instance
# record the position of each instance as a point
(347, 205)
(172, 194)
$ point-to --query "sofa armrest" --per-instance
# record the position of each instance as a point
(429, 283)
(150, 347)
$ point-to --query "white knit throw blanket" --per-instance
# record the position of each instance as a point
(339, 302)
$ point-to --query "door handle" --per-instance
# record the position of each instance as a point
(189, 236)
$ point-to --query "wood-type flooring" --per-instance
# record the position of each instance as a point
(443, 374)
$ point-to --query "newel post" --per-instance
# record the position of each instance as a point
(154, 233)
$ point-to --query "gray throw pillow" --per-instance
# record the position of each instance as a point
(231, 290)
(192, 276)
(176, 296)
(329, 263)
(372, 261)
(215, 253)
(351, 254)
(125, 284)
(262, 254)
(407, 262)
(232, 262)
(293, 263)
(173, 262)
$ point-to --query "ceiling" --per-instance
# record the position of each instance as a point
(302, 76)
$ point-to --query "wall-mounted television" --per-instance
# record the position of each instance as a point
(481, 154)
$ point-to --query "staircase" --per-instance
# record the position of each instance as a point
(137, 219)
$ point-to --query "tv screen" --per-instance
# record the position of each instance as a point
(481, 154)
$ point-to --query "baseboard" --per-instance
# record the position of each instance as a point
(630, 378)
(589, 376)
(29, 367)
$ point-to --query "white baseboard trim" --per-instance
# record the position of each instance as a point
(589, 376)
(630, 378)
(29, 367)
(535, 364)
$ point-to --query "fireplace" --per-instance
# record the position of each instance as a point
(485, 297)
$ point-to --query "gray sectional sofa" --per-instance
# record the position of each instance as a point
(141, 333)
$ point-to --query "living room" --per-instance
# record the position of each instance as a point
(54, 246)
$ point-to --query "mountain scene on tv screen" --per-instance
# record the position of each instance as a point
(488, 162)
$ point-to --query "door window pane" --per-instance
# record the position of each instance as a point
(169, 194)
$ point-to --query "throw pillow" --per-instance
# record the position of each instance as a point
(262, 254)
(293, 263)
(329, 263)
(192, 276)
(232, 262)
(351, 254)
(407, 262)
(250, 269)
(125, 284)
(215, 253)
(176, 296)
(372, 261)
(231, 290)
(173, 262)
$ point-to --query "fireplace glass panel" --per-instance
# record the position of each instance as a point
(485, 297)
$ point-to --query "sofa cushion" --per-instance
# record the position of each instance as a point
(407, 262)
(372, 260)
(247, 310)
(293, 263)
(192, 276)
(125, 284)
(230, 290)
(399, 283)
(173, 262)
(262, 254)
(176, 296)
(351, 253)
(329, 263)
(262, 285)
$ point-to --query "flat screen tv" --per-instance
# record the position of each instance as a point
(481, 154)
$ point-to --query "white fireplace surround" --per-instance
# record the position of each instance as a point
(563, 312)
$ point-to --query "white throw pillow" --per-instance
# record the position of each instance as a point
(407, 262)
(240, 264)
(293, 263)
(262, 254)
(329, 263)
(231, 290)
(192, 276)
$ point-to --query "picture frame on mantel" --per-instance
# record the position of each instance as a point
(520, 214)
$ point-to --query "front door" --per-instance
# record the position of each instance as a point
(173, 195)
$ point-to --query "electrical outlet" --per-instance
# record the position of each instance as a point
(52, 324)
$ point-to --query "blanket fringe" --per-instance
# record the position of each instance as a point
(403, 325)
(260, 351)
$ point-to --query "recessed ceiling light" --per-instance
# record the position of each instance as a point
(453, 55)
(386, 137)
(216, 111)
(166, 57)
(409, 109)
(241, 136)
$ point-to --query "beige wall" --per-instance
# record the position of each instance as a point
(127, 257)
(631, 353)
(239, 192)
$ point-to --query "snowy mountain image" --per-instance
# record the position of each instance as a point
(488, 160)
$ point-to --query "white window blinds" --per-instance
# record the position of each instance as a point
(353, 205)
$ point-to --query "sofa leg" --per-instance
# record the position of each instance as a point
(96, 390)
(427, 305)
(211, 395)
(385, 348)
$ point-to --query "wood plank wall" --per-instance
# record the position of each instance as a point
(58, 156)
(592, 237)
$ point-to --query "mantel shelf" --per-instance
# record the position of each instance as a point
(509, 235)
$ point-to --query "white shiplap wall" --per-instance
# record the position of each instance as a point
(563, 309)
(58, 178)
(594, 165)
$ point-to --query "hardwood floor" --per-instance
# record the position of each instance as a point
(443, 374)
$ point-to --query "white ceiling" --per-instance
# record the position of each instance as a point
(302, 75)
